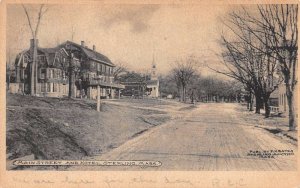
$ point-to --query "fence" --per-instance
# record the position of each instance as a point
(274, 109)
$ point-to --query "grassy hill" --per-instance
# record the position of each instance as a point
(54, 128)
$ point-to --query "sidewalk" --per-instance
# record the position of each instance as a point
(275, 125)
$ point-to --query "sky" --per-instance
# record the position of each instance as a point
(131, 34)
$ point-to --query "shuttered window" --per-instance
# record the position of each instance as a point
(48, 87)
(55, 87)
(42, 73)
(43, 87)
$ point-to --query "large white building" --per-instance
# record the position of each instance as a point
(153, 83)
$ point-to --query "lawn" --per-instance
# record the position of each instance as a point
(62, 128)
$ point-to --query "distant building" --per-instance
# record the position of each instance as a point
(280, 96)
(134, 89)
(153, 83)
(273, 100)
(89, 68)
(141, 85)
(282, 100)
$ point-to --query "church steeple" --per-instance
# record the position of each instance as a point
(153, 70)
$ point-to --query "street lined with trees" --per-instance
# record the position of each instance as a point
(260, 51)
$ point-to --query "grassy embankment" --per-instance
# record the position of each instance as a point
(53, 128)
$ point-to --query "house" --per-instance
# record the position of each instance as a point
(273, 100)
(279, 99)
(134, 89)
(135, 84)
(138, 85)
(67, 67)
(153, 88)
(282, 100)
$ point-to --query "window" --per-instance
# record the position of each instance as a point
(51, 72)
(55, 87)
(43, 87)
(54, 73)
(58, 73)
(42, 73)
(98, 66)
(48, 87)
(92, 64)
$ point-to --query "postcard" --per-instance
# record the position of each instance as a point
(149, 93)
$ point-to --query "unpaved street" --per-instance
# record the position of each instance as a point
(209, 137)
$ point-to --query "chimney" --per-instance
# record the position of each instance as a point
(82, 43)
(94, 47)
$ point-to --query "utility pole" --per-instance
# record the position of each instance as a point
(98, 98)
(71, 74)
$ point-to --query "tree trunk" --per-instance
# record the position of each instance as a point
(267, 108)
(290, 100)
(180, 94)
(251, 102)
(32, 68)
(71, 83)
(258, 103)
(36, 75)
(183, 93)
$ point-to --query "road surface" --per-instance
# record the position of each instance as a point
(209, 137)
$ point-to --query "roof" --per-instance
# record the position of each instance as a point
(92, 54)
(48, 50)
(49, 53)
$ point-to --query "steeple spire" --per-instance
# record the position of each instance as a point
(153, 71)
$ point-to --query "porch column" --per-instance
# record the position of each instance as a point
(113, 92)
(88, 93)
(18, 74)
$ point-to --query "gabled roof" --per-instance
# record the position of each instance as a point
(50, 54)
(94, 55)
(48, 50)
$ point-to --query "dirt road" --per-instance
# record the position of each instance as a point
(209, 137)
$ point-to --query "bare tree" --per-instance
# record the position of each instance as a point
(253, 55)
(238, 68)
(120, 69)
(280, 22)
(278, 25)
(34, 33)
(183, 72)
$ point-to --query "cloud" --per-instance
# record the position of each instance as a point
(137, 16)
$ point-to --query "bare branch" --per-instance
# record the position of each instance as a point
(40, 15)
(28, 19)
